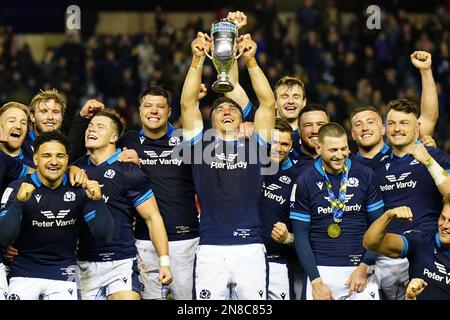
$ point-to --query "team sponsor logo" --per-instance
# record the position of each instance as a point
(38, 197)
(268, 194)
(105, 197)
(352, 182)
(387, 165)
(153, 154)
(57, 219)
(285, 179)
(320, 185)
(142, 139)
(69, 196)
(229, 158)
(348, 197)
(402, 177)
(414, 162)
(173, 141)
(441, 276)
(398, 182)
(109, 174)
(347, 208)
(162, 158)
(60, 215)
(271, 187)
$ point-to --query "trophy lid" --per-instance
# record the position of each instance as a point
(224, 26)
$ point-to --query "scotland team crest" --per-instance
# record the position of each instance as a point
(109, 174)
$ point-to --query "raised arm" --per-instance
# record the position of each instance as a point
(429, 106)
(265, 115)
(191, 116)
(238, 93)
(388, 244)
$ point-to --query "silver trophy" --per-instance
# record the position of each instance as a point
(224, 40)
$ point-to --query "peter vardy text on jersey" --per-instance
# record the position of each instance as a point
(399, 185)
(229, 166)
(152, 162)
(49, 224)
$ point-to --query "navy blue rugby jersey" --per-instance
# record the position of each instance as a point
(50, 225)
(406, 182)
(10, 170)
(228, 181)
(310, 204)
(274, 207)
(27, 146)
(376, 161)
(296, 150)
(171, 181)
(430, 261)
(24, 160)
(124, 187)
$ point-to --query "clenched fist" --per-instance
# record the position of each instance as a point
(92, 189)
(401, 213)
(421, 60)
(90, 108)
(25, 192)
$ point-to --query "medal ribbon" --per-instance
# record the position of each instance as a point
(337, 205)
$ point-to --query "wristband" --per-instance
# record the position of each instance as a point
(437, 173)
(164, 261)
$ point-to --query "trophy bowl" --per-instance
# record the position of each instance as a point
(224, 37)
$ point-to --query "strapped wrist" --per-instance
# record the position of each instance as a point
(164, 261)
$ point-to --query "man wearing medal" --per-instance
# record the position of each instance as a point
(333, 202)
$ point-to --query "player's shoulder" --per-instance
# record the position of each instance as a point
(362, 170)
(436, 152)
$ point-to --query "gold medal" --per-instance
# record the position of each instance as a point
(334, 230)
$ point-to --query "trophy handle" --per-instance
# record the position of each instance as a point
(238, 56)
(208, 55)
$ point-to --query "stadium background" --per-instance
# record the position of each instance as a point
(124, 46)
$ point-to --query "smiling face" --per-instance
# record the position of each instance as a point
(444, 226)
(154, 112)
(290, 100)
(367, 129)
(402, 128)
(15, 123)
(281, 146)
(100, 133)
(309, 125)
(51, 162)
(334, 152)
(226, 117)
(47, 116)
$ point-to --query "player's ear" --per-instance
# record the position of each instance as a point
(35, 160)
(114, 138)
(318, 150)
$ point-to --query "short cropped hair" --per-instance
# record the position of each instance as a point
(331, 129)
(283, 125)
(403, 105)
(219, 101)
(155, 91)
(48, 95)
(289, 82)
(117, 120)
(55, 135)
(313, 107)
(362, 109)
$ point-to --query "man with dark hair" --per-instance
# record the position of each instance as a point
(109, 271)
(310, 119)
(413, 175)
(225, 167)
(45, 227)
(274, 212)
(171, 181)
(332, 204)
(367, 126)
(427, 253)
